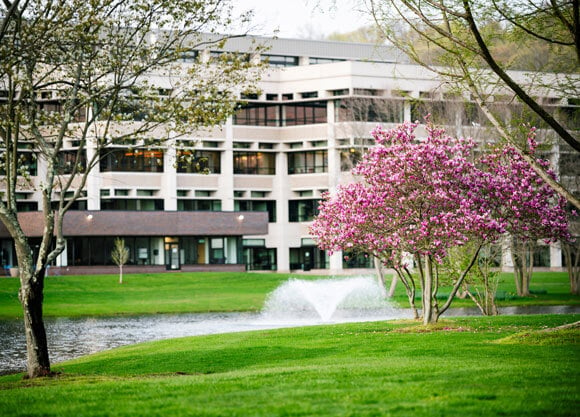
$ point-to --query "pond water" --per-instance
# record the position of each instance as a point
(73, 337)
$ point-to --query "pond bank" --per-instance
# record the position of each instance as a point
(73, 337)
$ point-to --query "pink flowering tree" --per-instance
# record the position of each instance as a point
(413, 196)
(354, 220)
(420, 197)
(527, 205)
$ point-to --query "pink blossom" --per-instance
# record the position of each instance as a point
(424, 197)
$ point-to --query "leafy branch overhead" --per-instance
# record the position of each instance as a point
(483, 47)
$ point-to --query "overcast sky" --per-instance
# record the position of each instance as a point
(303, 18)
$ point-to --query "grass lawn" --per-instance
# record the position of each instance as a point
(94, 295)
(499, 366)
(547, 288)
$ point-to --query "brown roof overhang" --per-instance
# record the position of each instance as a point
(149, 223)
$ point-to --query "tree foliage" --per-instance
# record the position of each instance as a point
(82, 76)
(364, 34)
(464, 42)
(425, 197)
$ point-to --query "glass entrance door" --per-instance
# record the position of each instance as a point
(172, 254)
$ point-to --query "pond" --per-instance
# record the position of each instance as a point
(73, 337)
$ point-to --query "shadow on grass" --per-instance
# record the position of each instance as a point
(195, 361)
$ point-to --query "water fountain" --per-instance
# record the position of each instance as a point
(325, 300)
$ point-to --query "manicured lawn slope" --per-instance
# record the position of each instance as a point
(74, 296)
(464, 367)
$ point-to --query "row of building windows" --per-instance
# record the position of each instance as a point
(245, 162)
(263, 114)
(299, 210)
(195, 162)
(89, 251)
(275, 61)
(383, 110)
(367, 109)
(143, 250)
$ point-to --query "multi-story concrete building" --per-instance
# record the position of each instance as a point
(295, 139)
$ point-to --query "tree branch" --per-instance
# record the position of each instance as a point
(460, 281)
(529, 101)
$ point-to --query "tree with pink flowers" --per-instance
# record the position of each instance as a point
(527, 205)
(421, 197)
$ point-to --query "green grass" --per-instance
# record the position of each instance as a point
(462, 367)
(547, 288)
(95, 295)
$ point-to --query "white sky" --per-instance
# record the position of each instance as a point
(303, 18)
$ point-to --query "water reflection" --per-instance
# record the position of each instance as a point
(73, 337)
(70, 338)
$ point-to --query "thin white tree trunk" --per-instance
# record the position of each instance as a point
(429, 314)
(393, 286)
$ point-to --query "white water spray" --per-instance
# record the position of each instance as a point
(343, 299)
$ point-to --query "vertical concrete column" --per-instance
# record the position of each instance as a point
(506, 255)
(226, 179)
(333, 153)
(93, 184)
(169, 180)
(335, 259)
(556, 256)
(555, 248)
(407, 111)
(282, 226)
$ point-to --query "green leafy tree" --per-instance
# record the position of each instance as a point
(120, 255)
(85, 75)
(365, 34)
(464, 42)
(481, 283)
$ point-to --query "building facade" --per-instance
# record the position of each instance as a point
(258, 178)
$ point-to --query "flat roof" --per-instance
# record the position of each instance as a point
(148, 223)
(316, 48)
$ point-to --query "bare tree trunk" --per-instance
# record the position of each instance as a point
(381, 275)
(486, 301)
(572, 257)
(529, 248)
(393, 286)
(458, 283)
(489, 297)
(120, 274)
(31, 298)
(409, 283)
(523, 260)
(430, 315)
